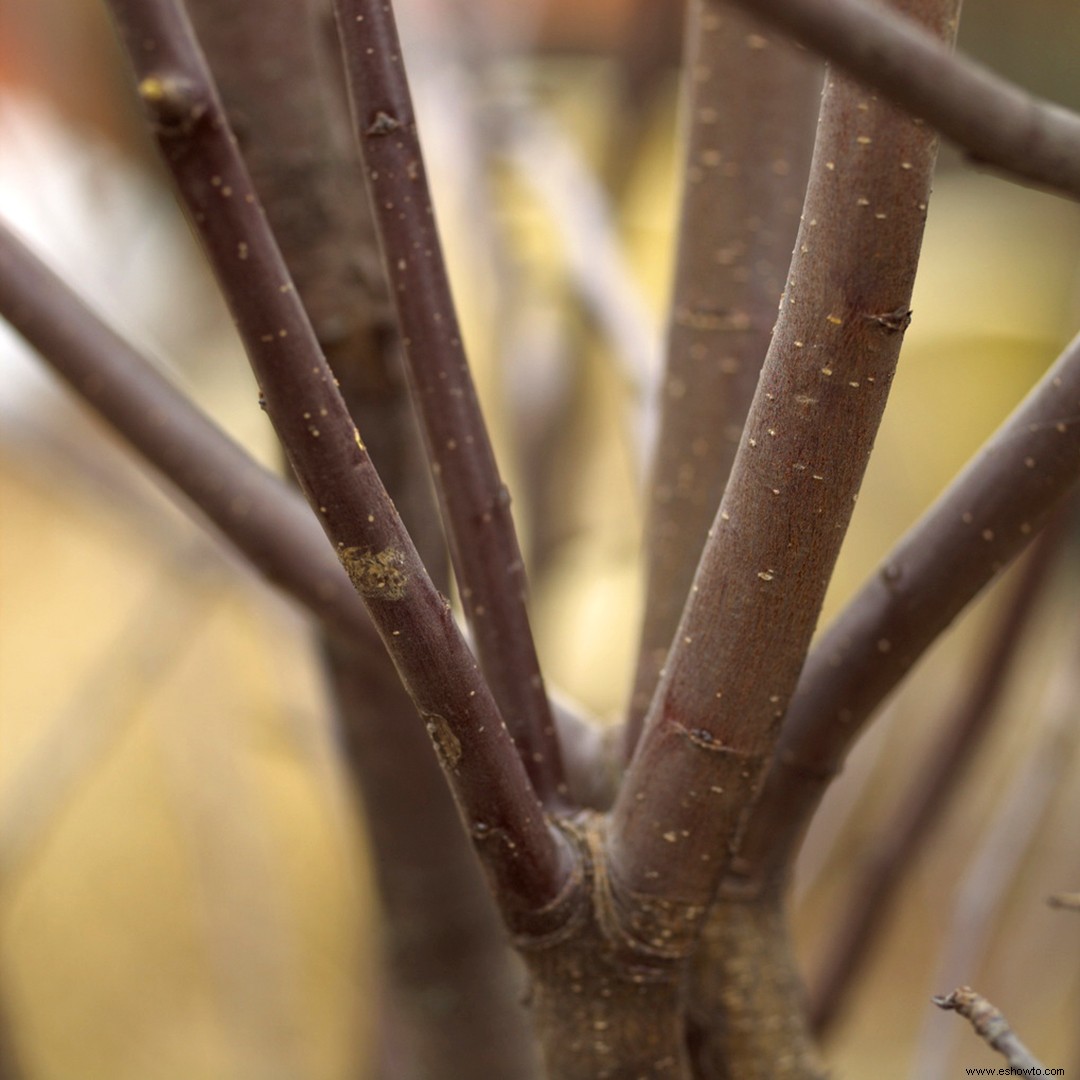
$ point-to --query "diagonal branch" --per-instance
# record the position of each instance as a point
(995, 121)
(476, 503)
(527, 860)
(871, 899)
(991, 1026)
(751, 104)
(989, 514)
(248, 505)
(448, 981)
(763, 574)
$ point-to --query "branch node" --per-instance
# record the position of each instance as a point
(894, 321)
(175, 103)
(383, 124)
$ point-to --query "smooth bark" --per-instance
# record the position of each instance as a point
(476, 503)
(762, 578)
(996, 122)
(750, 103)
(523, 854)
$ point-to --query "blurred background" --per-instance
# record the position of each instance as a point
(183, 890)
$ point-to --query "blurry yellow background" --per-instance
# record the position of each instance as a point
(183, 891)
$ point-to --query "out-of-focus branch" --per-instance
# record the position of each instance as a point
(449, 978)
(989, 514)
(771, 551)
(1069, 901)
(528, 861)
(249, 506)
(991, 1026)
(476, 504)
(101, 708)
(596, 266)
(937, 781)
(1019, 818)
(751, 100)
(996, 122)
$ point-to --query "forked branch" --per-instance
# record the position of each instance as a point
(995, 121)
(528, 861)
(989, 514)
(751, 103)
(772, 548)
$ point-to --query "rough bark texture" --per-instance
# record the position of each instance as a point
(607, 1006)
(746, 1014)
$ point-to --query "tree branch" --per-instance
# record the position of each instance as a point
(449, 973)
(996, 867)
(752, 101)
(528, 861)
(871, 898)
(996, 122)
(449, 980)
(248, 505)
(992, 510)
(991, 1026)
(772, 548)
(476, 503)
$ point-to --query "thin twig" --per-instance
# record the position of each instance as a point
(1019, 818)
(528, 860)
(771, 552)
(751, 102)
(989, 514)
(995, 121)
(991, 1025)
(476, 503)
(936, 782)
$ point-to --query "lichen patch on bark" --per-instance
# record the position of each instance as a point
(447, 744)
(375, 573)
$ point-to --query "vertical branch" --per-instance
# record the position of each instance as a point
(476, 503)
(751, 103)
(275, 67)
(760, 584)
(449, 976)
(872, 895)
(528, 861)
